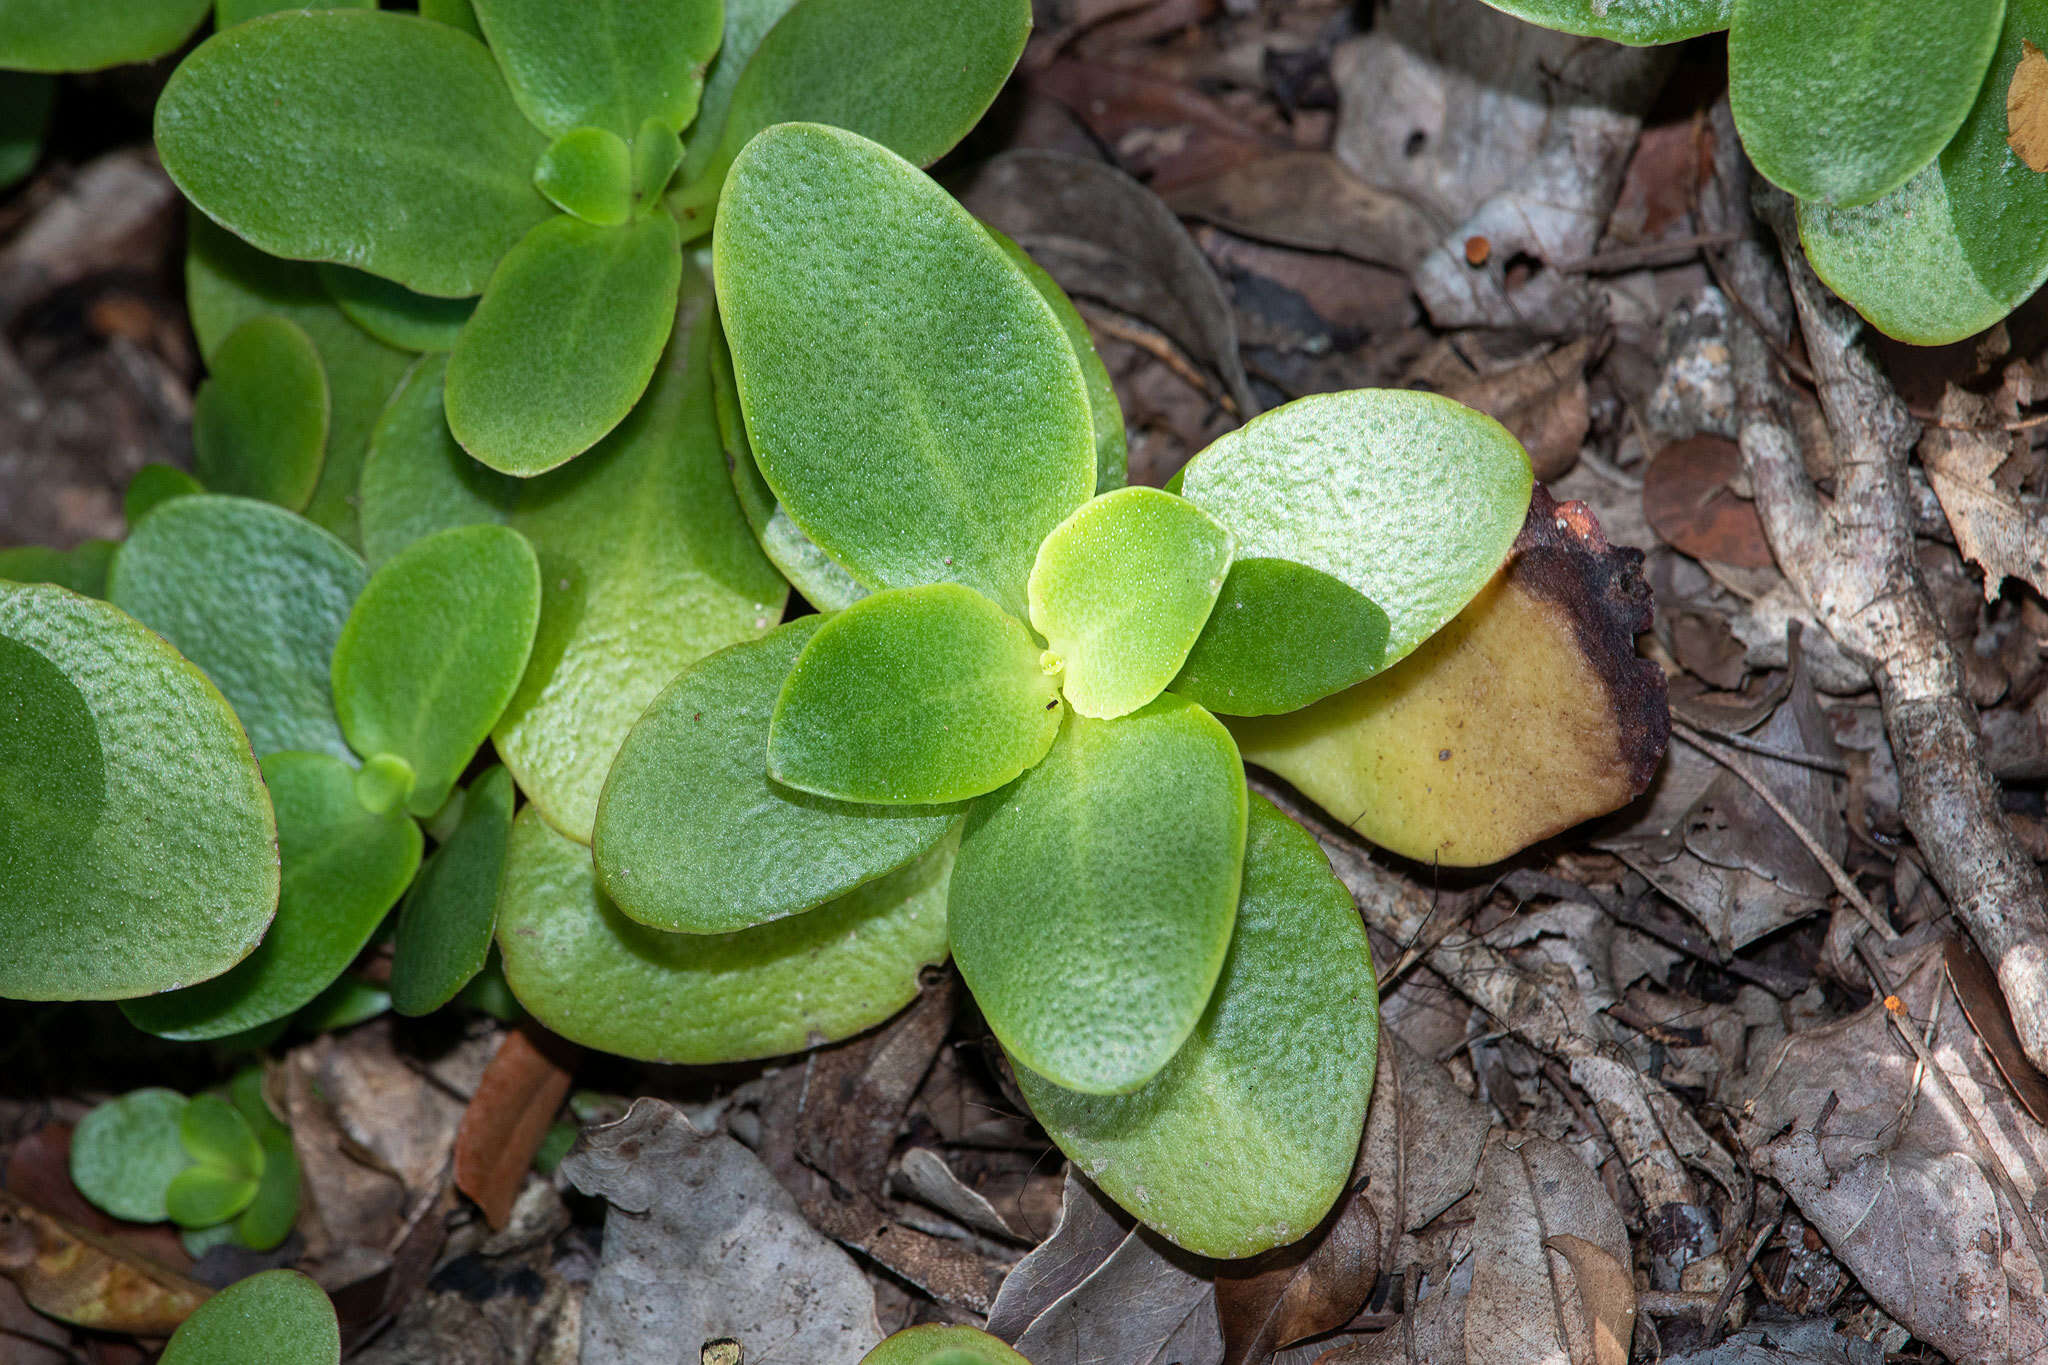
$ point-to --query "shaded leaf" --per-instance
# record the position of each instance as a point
(418, 479)
(153, 485)
(514, 1105)
(82, 569)
(259, 422)
(1300, 1291)
(607, 64)
(746, 23)
(124, 1153)
(86, 35)
(1105, 415)
(1147, 1303)
(1984, 1002)
(934, 1344)
(1089, 1229)
(1607, 1296)
(25, 100)
(228, 13)
(78, 1277)
(1636, 22)
(394, 314)
(1281, 636)
(268, 1220)
(206, 1195)
(277, 1315)
(1688, 501)
(445, 926)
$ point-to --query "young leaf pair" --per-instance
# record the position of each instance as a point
(532, 171)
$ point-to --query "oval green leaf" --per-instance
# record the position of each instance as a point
(83, 568)
(215, 1133)
(693, 836)
(1639, 23)
(445, 927)
(924, 695)
(125, 1153)
(656, 154)
(646, 567)
(564, 341)
(599, 979)
(25, 100)
(1843, 103)
(588, 172)
(257, 598)
(1960, 245)
(137, 847)
(394, 314)
(603, 63)
(205, 1196)
(1282, 635)
(1241, 1144)
(396, 148)
(1120, 592)
(259, 422)
(910, 397)
(268, 1220)
(343, 868)
(458, 13)
(1409, 497)
(1105, 414)
(433, 651)
(1093, 899)
(348, 1002)
(277, 1315)
(228, 13)
(933, 1344)
(88, 35)
(418, 480)
(153, 485)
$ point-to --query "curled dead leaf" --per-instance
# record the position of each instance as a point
(2026, 108)
(80, 1277)
(1607, 1296)
(511, 1111)
(1687, 499)
(1984, 1002)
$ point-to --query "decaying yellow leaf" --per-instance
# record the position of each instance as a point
(78, 1277)
(2026, 108)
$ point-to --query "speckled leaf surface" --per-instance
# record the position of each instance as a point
(273, 1316)
(1093, 898)
(925, 695)
(1964, 242)
(934, 1344)
(1247, 1137)
(599, 979)
(256, 597)
(417, 479)
(398, 151)
(343, 869)
(445, 926)
(228, 13)
(1105, 414)
(910, 397)
(394, 314)
(1409, 497)
(1638, 23)
(1844, 102)
(87, 35)
(564, 341)
(1282, 635)
(259, 422)
(606, 64)
(646, 567)
(694, 836)
(126, 1151)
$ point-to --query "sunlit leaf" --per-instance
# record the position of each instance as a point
(1639, 23)
(588, 172)
(394, 314)
(1282, 635)
(933, 1344)
(202, 1196)
(603, 63)
(277, 1315)
(227, 1169)
(86, 35)
(259, 422)
(125, 1152)
(444, 929)
(417, 479)
(1105, 414)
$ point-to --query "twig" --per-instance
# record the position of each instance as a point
(1628, 258)
(1735, 1280)
(1154, 344)
(1783, 755)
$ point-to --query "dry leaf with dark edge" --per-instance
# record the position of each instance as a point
(83, 1278)
(1688, 501)
(1607, 1296)
(1984, 1002)
(1090, 1228)
(1296, 1292)
(1313, 202)
(2026, 108)
(514, 1106)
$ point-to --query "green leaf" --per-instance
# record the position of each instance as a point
(1105, 414)
(927, 695)
(1282, 635)
(228, 13)
(259, 422)
(444, 929)
(88, 35)
(257, 598)
(657, 151)
(417, 479)
(913, 77)
(227, 282)
(83, 569)
(202, 1196)
(1247, 1137)
(348, 1002)
(1093, 899)
(1960, 245)
(1639, 23)
(646, 567)
(1120, 591)
(343, 868)
(137, 847)
(394, 314)
(268, 1220)
(910, 397)
(458, 13)
(564, 341)
(398, 152)
(1410, 498)
(433, 651)
(125, 1152)
(599, 979)
(277, 1315)
(1843, 103)
(693, 836)
(384, 783)
(604, 63)
(25, 100)
(214, 1132)
(933, 1344)
(746, 23)
(153, 485)
(588, 172)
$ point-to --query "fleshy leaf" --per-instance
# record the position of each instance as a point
(933, 1344)
(926, 695)
(1282, 635)
(228, 13)
(257, 598)
(153, 485)
(444, 929)
(646, 567)
(214, 1132)
(657, 152)
(268, 1220)
(202, 1196)
(136, 842)
(417, 479)
(564, 341)
(1092, 944)
(1120, 591)
(966, 437)
(343, 868)
(599, 979)
(456, 13)
(277, 1315)
(1105, 414)
(433, 650)
(1639, 23)
(126, 1151)
(1960, 245)
(25, 100)
(259, 422)
(83, 568)
(398, 151)
(1409, 497)
(588, 172)
(88, 35)
(746, 23)
(692, 834)
(603, 63)
(394, 314)
(1247, 1137)
(1843, 103)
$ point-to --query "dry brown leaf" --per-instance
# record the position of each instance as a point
(2026, 108)
(80, 1277)
(1686, 497)
(1301, 1291)
(1543, 402)
(1523, 1309)
(1985, 1004)
(1090, 1228)
(1991, 528)
(1607, 1296)
(1312, 201)
(511, 1111)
